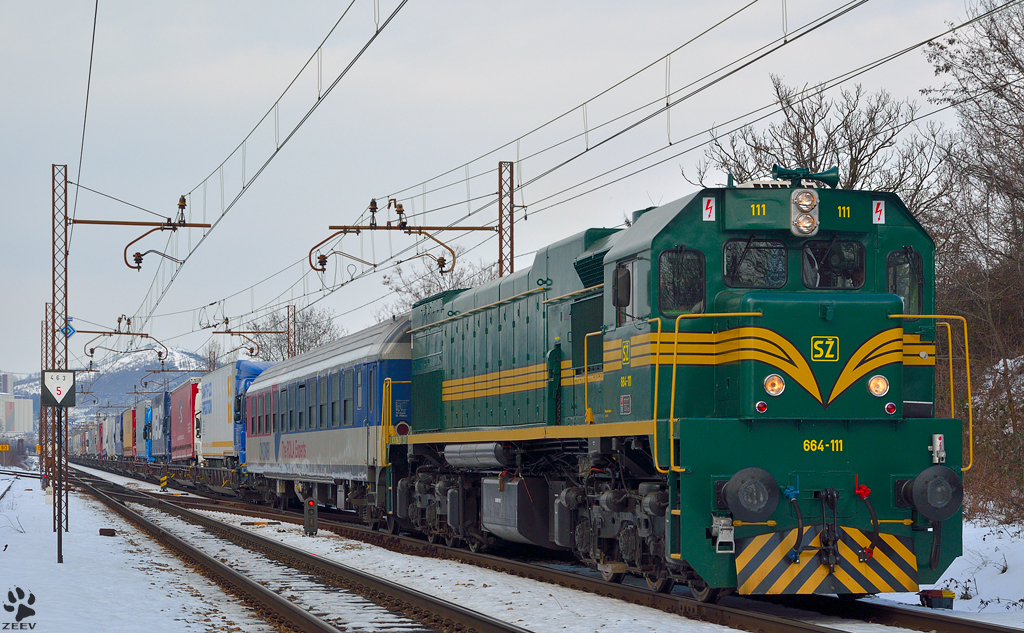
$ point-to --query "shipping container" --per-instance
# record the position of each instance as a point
(160, 427)
(183, 421)
(128, 434)
(221, 436)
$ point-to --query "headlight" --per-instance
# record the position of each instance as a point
(805, 200)
(774, 385)
(878, 386)
(804, 223)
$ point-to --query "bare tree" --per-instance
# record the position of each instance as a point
(424, 280)
(212, 355)
(982, 275)
(313, 327)
(868, 136)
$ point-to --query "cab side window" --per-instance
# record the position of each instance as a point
(905, 277)
(681, 282)
(625, 288)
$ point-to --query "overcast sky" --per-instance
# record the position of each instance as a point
(176, 87)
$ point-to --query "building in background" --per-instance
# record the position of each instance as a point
(15, 414)
(6, 383)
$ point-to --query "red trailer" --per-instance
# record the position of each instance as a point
(183, 421)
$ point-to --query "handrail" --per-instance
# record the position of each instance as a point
(573, 294)
(675, 365)
(657, 372)
(949, 346)
(967, 362)
(481, 308)
(386, 427)
(586, 378)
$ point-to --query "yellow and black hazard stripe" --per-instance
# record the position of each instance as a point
(764, 567)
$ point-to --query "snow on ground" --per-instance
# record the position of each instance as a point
(533, 605)
(124, 583)
(995, 595)
(989, 578)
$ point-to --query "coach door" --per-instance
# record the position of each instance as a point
(372, 414)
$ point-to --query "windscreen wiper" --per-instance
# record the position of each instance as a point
(739, 261)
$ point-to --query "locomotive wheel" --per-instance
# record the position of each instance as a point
(453, 541)
(392, 524)
(613, 577)
(433, 538)
(659, 583)
(703, 593)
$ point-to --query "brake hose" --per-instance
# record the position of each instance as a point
(791, 493)
(864, 492)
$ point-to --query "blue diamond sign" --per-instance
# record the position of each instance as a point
(67, 330)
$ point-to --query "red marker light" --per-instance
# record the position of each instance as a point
(310, 503)
(761, 406)
(890, 408)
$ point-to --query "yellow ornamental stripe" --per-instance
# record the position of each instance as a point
(507, 373)
(884, 348)
(497, 381)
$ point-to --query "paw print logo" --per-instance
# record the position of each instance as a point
(16, 600)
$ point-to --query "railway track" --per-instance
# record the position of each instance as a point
(316, 585)
(734, 615)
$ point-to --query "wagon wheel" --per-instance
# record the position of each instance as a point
(660, 582)
(452, 540)
(476, 546)
(433, 538)
(613, 577)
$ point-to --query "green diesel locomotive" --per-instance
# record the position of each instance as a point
(735, 392)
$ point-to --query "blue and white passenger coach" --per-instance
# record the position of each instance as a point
(314, 420)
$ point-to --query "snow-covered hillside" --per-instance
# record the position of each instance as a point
(114, 380)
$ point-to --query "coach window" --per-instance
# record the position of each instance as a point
(301, 406)
(349, 413)
(681, 282)
(753, 263)
(905, 277)
(275, 407)
(359, 388)
(250, 408)
(291, 407)
(261, 419)
(336, 399)
(323, 400)
(311, 401)
(371, 391)
(832, 264)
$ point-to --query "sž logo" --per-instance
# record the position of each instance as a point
(21, 606)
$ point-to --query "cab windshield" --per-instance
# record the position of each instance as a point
(833, 264)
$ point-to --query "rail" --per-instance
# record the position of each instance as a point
(675, 364)
(435, 612)
(967, 365)
(737, 617)
(387, 429)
